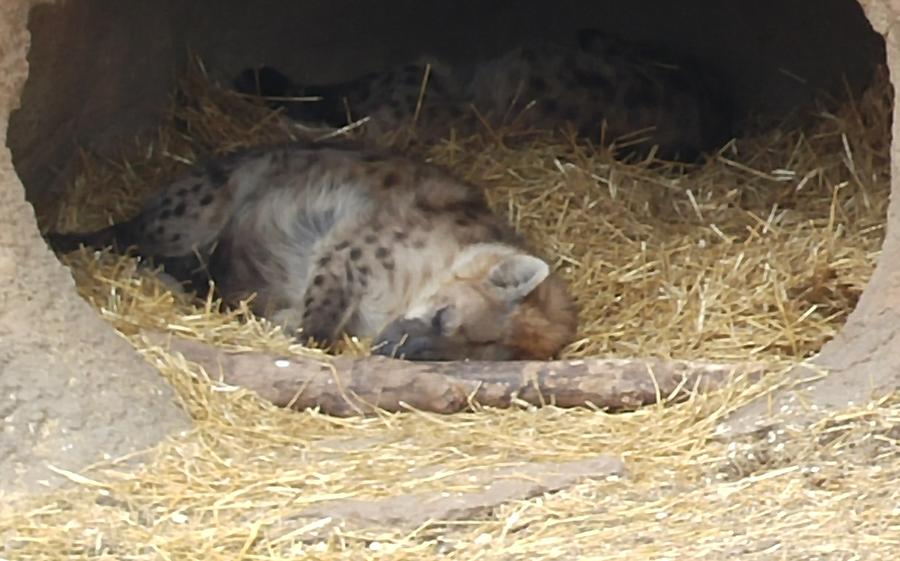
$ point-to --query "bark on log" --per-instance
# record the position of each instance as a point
(346, 387)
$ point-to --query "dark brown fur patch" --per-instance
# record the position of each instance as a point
(391, 180)
(545, 322)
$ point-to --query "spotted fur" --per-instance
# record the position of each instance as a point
(333, 240)
(645, 97)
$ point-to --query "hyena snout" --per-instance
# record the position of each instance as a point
(436, 337)
(412, 339)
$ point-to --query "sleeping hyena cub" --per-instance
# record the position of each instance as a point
(333, 240)
(605, 89)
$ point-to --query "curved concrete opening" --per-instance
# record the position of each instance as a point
(99, 71)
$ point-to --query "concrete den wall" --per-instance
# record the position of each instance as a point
(100, 70)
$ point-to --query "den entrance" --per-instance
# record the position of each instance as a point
(756, 256)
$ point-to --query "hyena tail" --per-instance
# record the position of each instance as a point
(119, 237)
(184, 273)
(66, 243)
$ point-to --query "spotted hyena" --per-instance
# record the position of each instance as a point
(335, 240)
(652, 97)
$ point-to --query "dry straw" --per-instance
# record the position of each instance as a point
(756, 256)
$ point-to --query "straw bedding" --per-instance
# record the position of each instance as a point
(757, 256)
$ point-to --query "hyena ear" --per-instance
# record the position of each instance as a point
(516, 276)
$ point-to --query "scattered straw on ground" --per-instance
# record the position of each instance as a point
(758, 256)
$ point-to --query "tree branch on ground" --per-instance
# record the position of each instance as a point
(345, 387)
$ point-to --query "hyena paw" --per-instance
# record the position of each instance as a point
(289, 320)
(316, 326)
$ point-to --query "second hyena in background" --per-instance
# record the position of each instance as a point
(334, 240)
(654, 98)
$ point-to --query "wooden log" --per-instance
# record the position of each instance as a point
(345, 387)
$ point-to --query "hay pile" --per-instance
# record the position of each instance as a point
(758, 256)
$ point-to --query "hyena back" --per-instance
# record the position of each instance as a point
(334, 241)
(655, 98)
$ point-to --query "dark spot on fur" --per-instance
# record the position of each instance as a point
(326, 302)
(370, 238)
(217, 174)
(391, 180)
(196, 188)
(165, 215)
(306, 314)
(319, 280)
(364, 270)
(418, 244)
(370, 157)
(342, 246)
(472, 213)
(207, 199)
(348, 272)
(182, 192)
(325, 260)
(355, 254)
(549, 106)
(388, 265)
(382, 252)
(165, 202)
(464, 222)
(175, 238)
(309, 301)
(179, 210)
(400, 236)
(160, 230)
